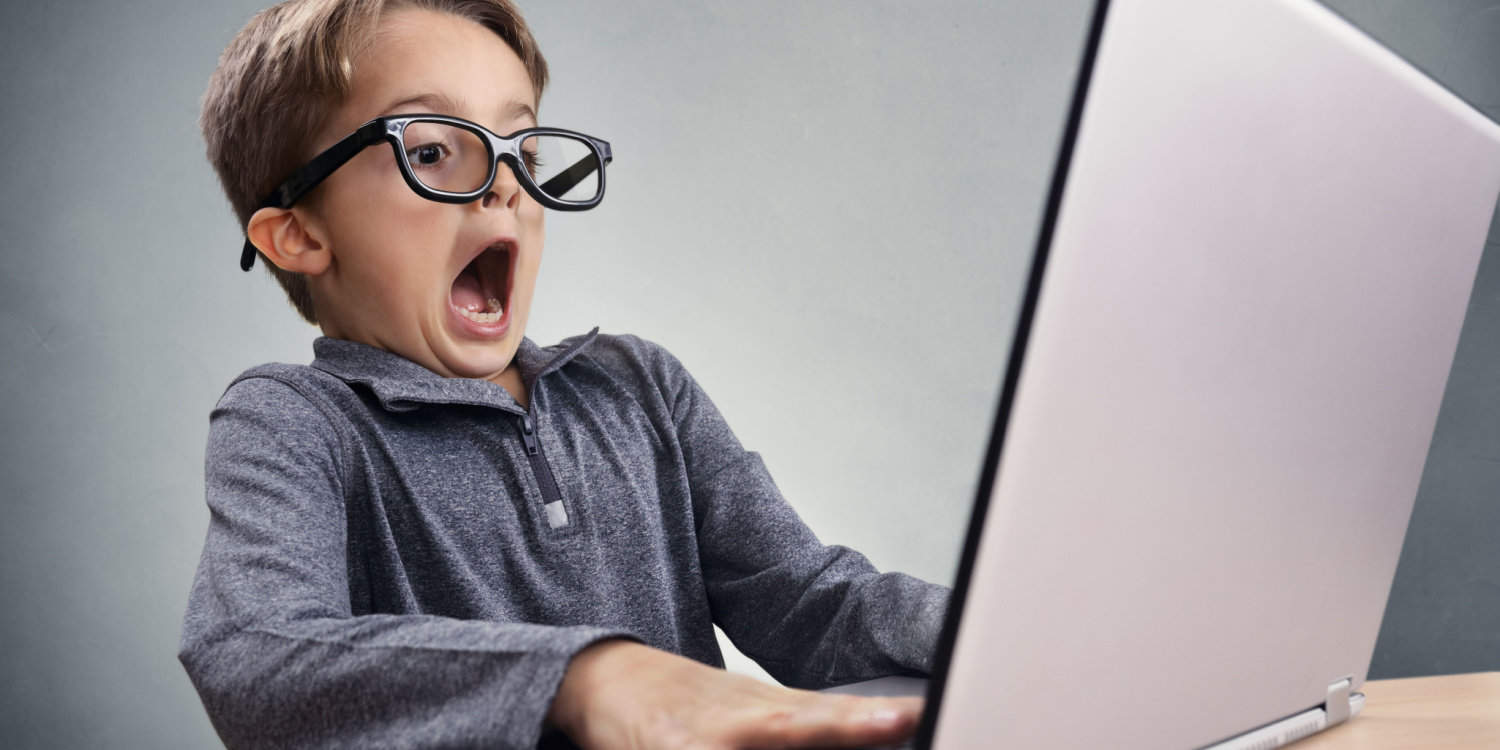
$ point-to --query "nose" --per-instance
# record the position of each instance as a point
(505, 190)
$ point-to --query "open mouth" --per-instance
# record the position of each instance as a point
(481, 291)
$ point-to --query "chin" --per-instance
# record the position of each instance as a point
(482, 360)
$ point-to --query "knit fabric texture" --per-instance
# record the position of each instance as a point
(399, 559)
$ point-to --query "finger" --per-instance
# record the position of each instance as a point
(833, 721)
(864, 722)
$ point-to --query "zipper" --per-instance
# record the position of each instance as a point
(557, 516)
(552, 502)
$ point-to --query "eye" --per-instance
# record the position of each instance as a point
(426, 154)
(533, 161)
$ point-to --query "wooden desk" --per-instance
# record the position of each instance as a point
(1449, 712)
(1433, 713)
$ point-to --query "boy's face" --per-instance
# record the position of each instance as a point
(397, 277)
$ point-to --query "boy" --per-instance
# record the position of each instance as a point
(439, 533)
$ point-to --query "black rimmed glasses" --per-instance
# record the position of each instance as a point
(452, 160)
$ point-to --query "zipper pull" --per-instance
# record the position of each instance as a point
(528, 435)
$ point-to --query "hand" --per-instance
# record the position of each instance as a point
(622, 695)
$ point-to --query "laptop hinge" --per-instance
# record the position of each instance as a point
(1336, 705)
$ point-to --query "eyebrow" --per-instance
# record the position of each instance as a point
(443, 104)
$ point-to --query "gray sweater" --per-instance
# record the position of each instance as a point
(399, 559)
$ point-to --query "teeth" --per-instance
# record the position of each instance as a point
(491, 315)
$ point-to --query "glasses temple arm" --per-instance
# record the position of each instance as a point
(569, 178)
(247, 255)
(313, 173)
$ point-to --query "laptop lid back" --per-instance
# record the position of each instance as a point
(1248, 291)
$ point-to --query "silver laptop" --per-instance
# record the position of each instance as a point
(1245, 300)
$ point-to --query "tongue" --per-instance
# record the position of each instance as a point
(467, 294)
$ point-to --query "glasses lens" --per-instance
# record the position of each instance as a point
(447, 157)
(564, 167)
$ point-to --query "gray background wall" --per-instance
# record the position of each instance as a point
(849, 315)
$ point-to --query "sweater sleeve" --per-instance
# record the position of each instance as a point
(813, 615)
(269, 639)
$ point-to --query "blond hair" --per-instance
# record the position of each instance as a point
(288, 70)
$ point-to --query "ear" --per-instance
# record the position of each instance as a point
(287, 240)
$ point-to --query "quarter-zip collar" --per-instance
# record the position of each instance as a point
(402, 385)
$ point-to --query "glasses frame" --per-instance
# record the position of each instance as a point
(392, 130)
